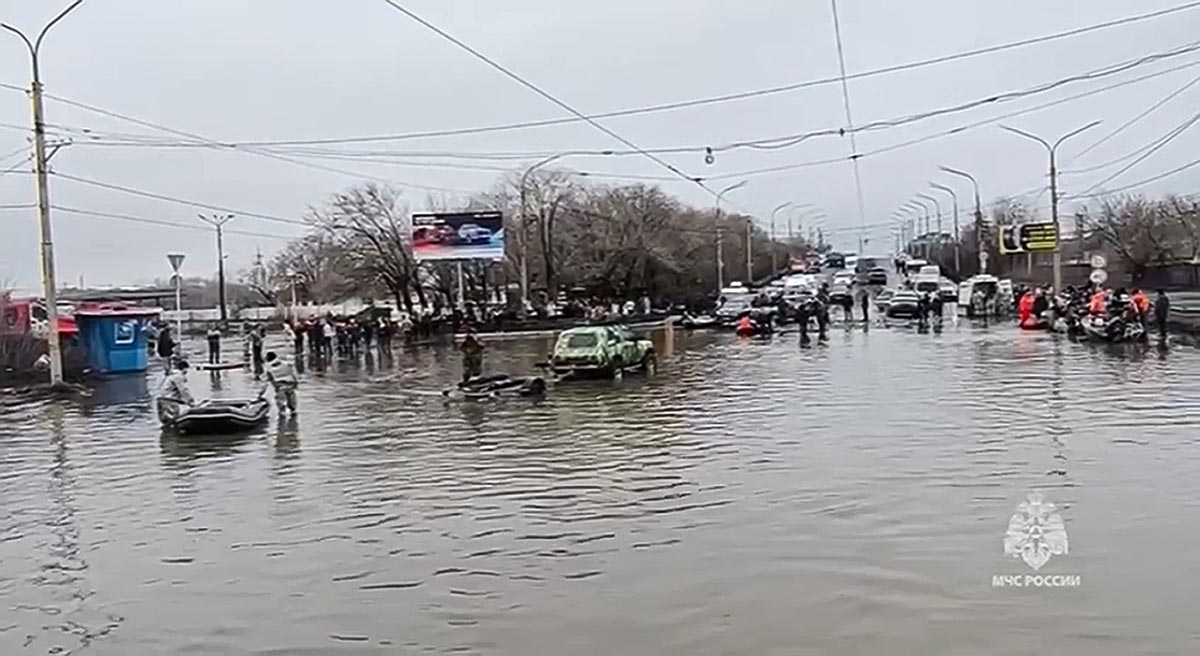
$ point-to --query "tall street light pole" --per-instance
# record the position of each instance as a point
(720, 246)
(49, 284)
(978, 216)
(218, 221)
(954, 211)
(922, 209)
(774, 250)
(1052, 148)
(937, 208)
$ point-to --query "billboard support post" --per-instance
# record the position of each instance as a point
(462, 299)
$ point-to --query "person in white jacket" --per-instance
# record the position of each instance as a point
(282, 376)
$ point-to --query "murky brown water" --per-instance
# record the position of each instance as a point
(751, 498)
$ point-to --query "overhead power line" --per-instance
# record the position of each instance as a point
(545, 94)
(165, 224)
(772, 143)
(178, 201)
(1127, 124)
(1143, 182)
(1168, 138)
(757, 93)
(955, 130)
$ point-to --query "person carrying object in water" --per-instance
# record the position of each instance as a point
(175, 395)
(472, 353)
(282, 376)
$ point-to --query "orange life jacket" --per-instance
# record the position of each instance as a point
(1025, 306)
(1099, 303)
(745, 325)
(1141, 303)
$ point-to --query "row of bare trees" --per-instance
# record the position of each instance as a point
(610, 242)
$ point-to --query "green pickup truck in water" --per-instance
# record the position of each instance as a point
(602, 351)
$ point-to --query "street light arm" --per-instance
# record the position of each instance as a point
(38, 44)
(1028, 135)
(28, 44)
(1072, 133)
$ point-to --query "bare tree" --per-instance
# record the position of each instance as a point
(370, 225)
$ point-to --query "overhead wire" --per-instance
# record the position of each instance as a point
(1143, 114)
(841, 55)
(1171, 136)
(167, 224)
(545, 94)
(769, 143)
(178, 201)
(742, 95)
(956, 130)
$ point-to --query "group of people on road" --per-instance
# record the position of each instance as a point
(1041, 307)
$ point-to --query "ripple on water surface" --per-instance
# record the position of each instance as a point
(751, 498)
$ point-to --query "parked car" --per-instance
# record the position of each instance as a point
(472, 233)
(834, 261)
(877, 276)
(902, 305)
(602, 351)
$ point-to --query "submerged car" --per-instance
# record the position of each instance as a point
(902, 305)
(602, 351)
(877, 276)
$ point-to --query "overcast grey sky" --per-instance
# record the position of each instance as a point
(302, 69)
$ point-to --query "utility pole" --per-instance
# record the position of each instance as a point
(749, 252)
(1053, 150)
(957, 248)
(176, 260)
(774, 249)
(49, 283)
(720, 245)
(218, 221)
(983, 258)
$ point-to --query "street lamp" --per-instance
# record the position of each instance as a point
(938, 209)
(954, 213)
(774, 251)
(218, 221)
(49, 284)
(978, 215)
(720, 246)
(923, 209)
(1052, 148)
(525, 224)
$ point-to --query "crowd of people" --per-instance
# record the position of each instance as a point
(1041, 307)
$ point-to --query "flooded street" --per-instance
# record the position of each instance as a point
(750, 498)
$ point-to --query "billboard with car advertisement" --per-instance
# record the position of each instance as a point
(458, 236)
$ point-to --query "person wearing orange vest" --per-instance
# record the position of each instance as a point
(745, 326)
(1099, 302)
(1142, 304)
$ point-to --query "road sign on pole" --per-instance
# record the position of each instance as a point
(176, 260)
(1098, 277)
(1098, 261)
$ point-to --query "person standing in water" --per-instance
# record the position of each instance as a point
(472, 352)
(282, 376)
(214, 344)
(1162, 308)
(256, 349)
(166, 348)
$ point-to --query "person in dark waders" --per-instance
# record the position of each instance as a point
(472, 354)
(214, 345)
(866, 306)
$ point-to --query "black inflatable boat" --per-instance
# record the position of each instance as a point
(497, 385)
(222, 416)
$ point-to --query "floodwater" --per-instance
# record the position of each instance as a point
(751, 498)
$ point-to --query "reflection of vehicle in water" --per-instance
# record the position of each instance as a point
(601, 351)
(470, 233)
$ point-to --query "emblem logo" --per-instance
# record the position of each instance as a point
(1035, 532)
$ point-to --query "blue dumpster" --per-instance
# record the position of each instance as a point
(114, 337)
